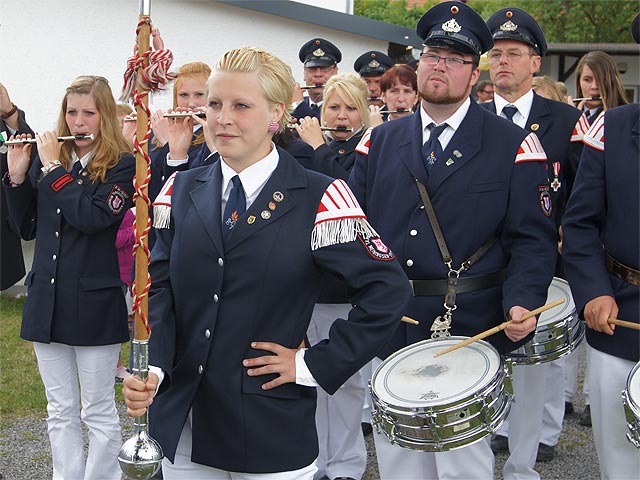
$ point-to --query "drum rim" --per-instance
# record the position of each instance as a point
(634, 375)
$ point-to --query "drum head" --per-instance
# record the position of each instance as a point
(411, 377)
(558, 289)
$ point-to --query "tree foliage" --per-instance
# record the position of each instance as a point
(563, 21)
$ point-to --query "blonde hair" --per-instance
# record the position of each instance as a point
(352, 89)
(550, 86)
(110, 145)
(123, 109)
(273, 74)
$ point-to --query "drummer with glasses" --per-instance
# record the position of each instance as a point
(481, 174)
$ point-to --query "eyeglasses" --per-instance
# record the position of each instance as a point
(452, 63)
(512, 55)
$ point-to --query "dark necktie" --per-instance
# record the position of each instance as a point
(432, 148)
(75, 169)
(590, 117)
(314, 107)
(236, 205)
(509, 112)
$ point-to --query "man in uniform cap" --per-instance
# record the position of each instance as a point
(519, 44)
(371, 66)
(320, 58)
(602, 258)
(485, 179)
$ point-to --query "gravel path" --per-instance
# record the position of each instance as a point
(25, 453)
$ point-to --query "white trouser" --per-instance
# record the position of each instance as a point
(367, 373)
(553, 413)
(61, 367)
(396, 463)
(184, 469)
(571, 376)
(342, 449)
(618, 458)
(524, 422)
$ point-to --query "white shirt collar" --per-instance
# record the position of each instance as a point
(523, 104)
(453, 123)
(253, 178)
(83, 161)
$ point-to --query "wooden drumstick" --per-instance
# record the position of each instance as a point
(410, 320)
(624, 323)
(498, 328)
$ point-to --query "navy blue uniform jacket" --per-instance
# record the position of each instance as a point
(209, 302)
(553, 123)
(603, 215)
(481, 192)
(74, 287)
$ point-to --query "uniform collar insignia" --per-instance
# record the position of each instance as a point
(508, 26)
(451, 26)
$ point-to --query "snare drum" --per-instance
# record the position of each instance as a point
(441, 404)
(558, 333)
(631, 401)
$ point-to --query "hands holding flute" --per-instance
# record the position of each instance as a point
(310, 132)
(18, 155)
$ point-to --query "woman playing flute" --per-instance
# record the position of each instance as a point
(75, 195)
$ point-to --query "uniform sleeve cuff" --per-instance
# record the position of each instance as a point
(303, 375)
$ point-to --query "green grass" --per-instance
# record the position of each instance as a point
(21, 390)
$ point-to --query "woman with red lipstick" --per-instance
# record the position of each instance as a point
(345, 107)
(74, 197)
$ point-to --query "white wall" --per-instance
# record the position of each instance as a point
(47, 43)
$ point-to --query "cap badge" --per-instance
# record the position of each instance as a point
(451, 26)
(374, 64)
(508, 26)
(318, 52)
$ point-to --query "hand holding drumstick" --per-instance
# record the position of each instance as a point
(500, 327)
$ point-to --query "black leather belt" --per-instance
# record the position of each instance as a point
(426, 288)
(620, 270)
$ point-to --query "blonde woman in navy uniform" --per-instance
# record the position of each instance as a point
(489, 181)
(242, 249)
(74, 198)
(343, 453)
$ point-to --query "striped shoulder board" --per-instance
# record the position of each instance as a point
(594, 138)
(162, 204)
(531, 150)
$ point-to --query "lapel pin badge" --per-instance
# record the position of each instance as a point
(449, 162)
(251, 219)
(534, 127)
(278, 196)
(265, 214)
(272, 206)
(457, 153)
